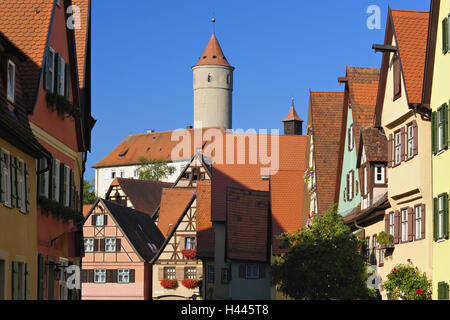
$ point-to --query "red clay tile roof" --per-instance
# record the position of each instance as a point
(247, 175)
(156, 145)
(247, 225)
(26, 24)
(292, 115)
(375, 144)
(411, 30)
(286, 193)
(173, 203)
(363, 89)
(81, 37)
(205, 230)
(326, 116)
(86, 209)
(144, 195)
(213, 54)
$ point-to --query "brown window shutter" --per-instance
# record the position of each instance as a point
(91, 275)
(96, 242)
(118, 244)
(160, 273)
(93, 219)
(348, 187)
(390, 141)
(109, 276)
(397, 225)
(132, 276)
(242, 271)
(105, 220)
(397, 78)
(410, 224)
(402, 144)
(114, 275)
(386, 223)
(423, 222)
(84, 276)
(416, 138)
(102, 245)
(179, 273)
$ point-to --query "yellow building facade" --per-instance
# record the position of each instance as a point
(440, 97)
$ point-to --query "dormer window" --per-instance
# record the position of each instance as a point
(379, 174)
(11, 80)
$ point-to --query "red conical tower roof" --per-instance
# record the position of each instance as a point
(292, 115)
(213, 54)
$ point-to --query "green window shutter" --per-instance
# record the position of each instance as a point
(27, 189)
(71, 196)
(47, 79)
(67, 81)
(18, 188)
(41, 182)
(434, 132)
(62, 185)
(57, 73)
(53, 180)
(12, 163)
(446, 216)
(14, 281)
(435, 219)
(40, 277)
(445, 137)
(442, 291)
(2, 186)
(445, 36)
(27, 282)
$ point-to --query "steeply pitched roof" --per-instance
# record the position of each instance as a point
(155, 145)
(144, 195)
(173, 204)
(326, 113)
(247, 225)
(286, 195)
(292, 115)
(411, 30)
(247, 174)
(375, 144)
(205, 230)
(138, 227)
(363, 89)
(26, 23)
(213, 54)
(81, 36)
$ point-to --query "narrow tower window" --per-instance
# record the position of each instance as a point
(209, 77)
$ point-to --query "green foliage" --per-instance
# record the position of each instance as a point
(88, 193)
(154, 170)
(62, 105)
(385, 238)
(58, 210)
(322, 262)
(406, 282)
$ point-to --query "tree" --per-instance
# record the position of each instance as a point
(154, 170)
(88, 193)
(406, 282)
(323, 261)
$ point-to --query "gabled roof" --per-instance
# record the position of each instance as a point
(81, 37)
(247, 174)
(247, 225)
(174, 203)
(155, 145)
(205, 230)
(377, 209)
(144, 195)
(213, 54)
(363, 89)
(137, 226)
(292, 115)
(411, 30)
(375, 145)
(27, 24)
(326, 116)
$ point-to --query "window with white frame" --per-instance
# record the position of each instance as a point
(56, 173)
(62, 76)
(252, 271)
(89, 244)
(99, 275)
(440, 217)
(99, 220)
(189, 243)
(404, 214)
(122, 173)
(391, 223)
(21, 188)
(350, 138)
(169, 273)
(123, 275)
(6, 163)
(397, 147)
(11, 80)
(410, 138)
(379, 174)
(365, 180)
(190, 273)
(110, 244)
(350, 185)
(67, 184)
(418, 219)
(440, 126)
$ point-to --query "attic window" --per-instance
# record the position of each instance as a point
(214, 57)
(154, 138)
(123, 153)
(204, 57)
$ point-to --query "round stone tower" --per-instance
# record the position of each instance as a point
(213, 88)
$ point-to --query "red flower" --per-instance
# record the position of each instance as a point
(189, 253)
(419, 290)
(169, 284)
(190, 283)
(409, 260)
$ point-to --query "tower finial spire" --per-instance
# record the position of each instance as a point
(213, 20)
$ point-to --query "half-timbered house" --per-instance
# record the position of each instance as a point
(119, 243)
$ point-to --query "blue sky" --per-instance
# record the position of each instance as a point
(143, 52)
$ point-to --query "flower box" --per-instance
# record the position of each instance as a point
(190, 283)
(169, 283)
(189, 253)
